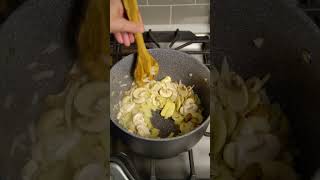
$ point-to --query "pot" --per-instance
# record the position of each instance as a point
(179, 66)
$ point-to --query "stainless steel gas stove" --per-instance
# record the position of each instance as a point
(194, 164)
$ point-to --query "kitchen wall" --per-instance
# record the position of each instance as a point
(172, 14)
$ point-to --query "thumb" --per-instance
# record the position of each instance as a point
(123, 25)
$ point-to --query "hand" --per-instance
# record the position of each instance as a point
(121, 27)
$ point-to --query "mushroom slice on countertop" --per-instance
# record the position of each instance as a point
(89, 97)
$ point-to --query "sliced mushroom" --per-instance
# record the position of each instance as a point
(138, 119)
(156, 87)
(188, 106)
(143, 130)
(165, 92)
(139, 95)
(127, 107)
(89, 96)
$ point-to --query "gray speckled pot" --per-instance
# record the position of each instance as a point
(178, 65)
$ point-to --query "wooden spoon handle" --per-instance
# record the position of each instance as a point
(132, 10)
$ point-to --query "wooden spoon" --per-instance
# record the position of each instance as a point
(146, 67)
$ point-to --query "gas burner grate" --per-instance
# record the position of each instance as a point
(192, 176)
(154, 39)
(131, 173)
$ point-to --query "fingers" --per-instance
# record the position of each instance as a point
(118, 37)
(131, 37)
(126, 40)
(129, 26)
